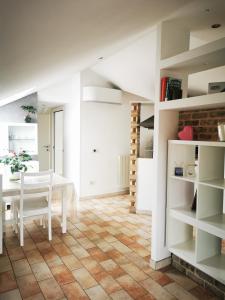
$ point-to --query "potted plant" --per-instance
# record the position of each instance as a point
(16, 163)
(30, 109)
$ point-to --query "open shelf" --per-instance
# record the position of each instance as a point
(183, 178)
(199, 59)
(200, 102)
(215, 266)
(216, 183)
(184, 214)
(185, 250)
(197, 143)
(196, 236)
(22, 139)
(214, 225)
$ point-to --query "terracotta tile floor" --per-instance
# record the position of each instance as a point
(104, 255)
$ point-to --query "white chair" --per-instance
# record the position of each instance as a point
(4, 201)
(1, 217)
(35, 199)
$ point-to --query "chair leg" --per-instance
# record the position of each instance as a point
(16, 221)
(21, 233)
(3, 217)
(41, 221)
(49, 226)
(44, 222)
(14, 217)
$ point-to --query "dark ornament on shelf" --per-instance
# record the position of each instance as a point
(194, 203)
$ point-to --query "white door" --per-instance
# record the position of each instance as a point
(44, 141)
(58, 142)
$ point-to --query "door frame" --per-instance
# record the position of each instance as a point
(54, 110)
(50, 134)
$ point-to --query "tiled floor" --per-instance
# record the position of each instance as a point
(104, 255)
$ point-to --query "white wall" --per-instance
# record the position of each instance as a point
(68, 92)
(72, 138)
(88, 126)
(106, 128)
(146, 135)
(145, 186)
(133, 68)
(13, 112)
(59, 93)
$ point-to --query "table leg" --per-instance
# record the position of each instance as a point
(64, 210)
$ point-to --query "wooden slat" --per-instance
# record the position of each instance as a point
(134, 150)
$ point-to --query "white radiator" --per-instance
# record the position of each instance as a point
(123, 171)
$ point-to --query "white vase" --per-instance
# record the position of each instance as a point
(14, 176)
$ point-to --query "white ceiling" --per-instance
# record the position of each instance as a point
(44, 41)
(200, 15)
(133, 68)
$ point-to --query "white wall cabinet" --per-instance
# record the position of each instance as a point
(197, 235)
(17, 137)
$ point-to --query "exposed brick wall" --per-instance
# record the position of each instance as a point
(200, 277)
(204, 122)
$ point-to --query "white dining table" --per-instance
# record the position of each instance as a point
(12, 188)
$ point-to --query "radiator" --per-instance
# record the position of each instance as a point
(123, 171)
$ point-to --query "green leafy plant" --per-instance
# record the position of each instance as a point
(16, 161)
(29, 108)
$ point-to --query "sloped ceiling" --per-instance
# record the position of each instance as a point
(45, 41)
(133, 68)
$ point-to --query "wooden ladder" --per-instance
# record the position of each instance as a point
(134, 152)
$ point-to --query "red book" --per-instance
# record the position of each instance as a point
(163, 88)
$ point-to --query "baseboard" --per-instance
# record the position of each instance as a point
(143, 212)
(124, 192)
(156, 265)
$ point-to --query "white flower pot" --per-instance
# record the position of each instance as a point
(14, 176)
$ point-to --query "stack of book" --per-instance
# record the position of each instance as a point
(170, 89)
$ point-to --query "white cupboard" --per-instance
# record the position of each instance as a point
(16, 137)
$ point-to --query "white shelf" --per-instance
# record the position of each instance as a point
(215, 183)
(197, 143)
(184, 214)
(184, 178)
(204, 101)
(208, 220)
(215, 266)
(206, 57)
(22, 139)
(185, 250)
(214, 225)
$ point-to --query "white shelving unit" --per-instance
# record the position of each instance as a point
(196, 235)
(175, 59)
(205, 101)
(17, 137)
(206, 57)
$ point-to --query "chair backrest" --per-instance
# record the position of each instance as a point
(35, 185)
(0, 194)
